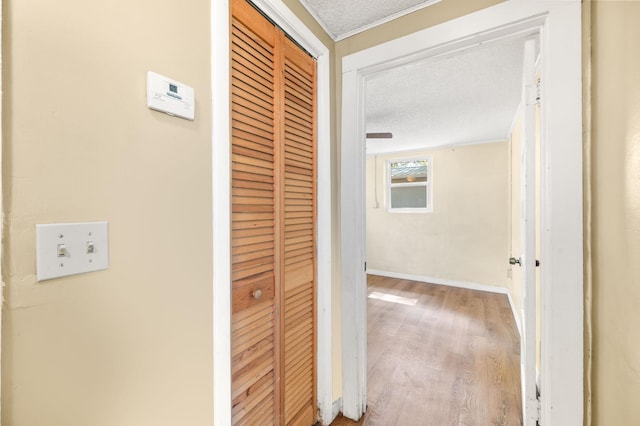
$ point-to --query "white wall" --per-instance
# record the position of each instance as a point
(465, 238)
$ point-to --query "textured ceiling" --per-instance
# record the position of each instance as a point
(342, 18)
(467, 98)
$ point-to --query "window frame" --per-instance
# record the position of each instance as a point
(428, 185)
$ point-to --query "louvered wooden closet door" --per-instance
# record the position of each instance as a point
(299, 236)
(273, 224)
(254, 343)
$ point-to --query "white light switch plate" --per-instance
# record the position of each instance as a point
(71, 248)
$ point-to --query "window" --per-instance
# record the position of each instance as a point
(409, 185)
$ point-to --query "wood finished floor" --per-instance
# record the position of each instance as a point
(451, 359)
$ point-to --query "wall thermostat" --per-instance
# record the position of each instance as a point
(170, 96)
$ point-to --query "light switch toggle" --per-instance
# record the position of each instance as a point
(62, 250)
(91, 248)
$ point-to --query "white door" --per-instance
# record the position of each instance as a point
(528, 237)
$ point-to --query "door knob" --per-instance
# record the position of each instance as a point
(514, 261)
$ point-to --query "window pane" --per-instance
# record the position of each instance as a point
(409, 171)
(409, 197)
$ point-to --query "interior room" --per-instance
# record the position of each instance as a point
(459, 112)
(456, 117)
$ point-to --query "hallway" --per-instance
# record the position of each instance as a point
(440, 355)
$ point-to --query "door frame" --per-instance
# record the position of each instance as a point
(2, 225)
(559, 26)
(282, 16)
(527, 249)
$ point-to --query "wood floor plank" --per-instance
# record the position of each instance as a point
(440, 355)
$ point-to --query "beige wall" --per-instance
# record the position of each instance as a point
(465, 238)
(131, 345)
(438, 13)
(615, 178)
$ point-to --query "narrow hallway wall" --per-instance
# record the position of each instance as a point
(616, 213)
(131, 345)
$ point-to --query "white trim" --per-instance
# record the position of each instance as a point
(428, 185)
(323, 242)
(2, 225)
(338, 37)
(221, 212)
(440, 281)
(514, 121)
(559, 24)
(352, 248)
(283, 17)
(278, 12)
(417, 151)
(561, 259)
(336, 408)
(516, 314)
(419, 48)
(528, 237)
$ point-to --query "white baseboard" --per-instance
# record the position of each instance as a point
(440, 281)
(336, 408)
(516, 314)
(459, 284)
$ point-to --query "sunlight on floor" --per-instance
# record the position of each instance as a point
(392, 298)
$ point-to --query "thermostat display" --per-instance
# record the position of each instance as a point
(169, 96)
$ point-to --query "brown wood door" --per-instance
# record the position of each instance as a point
(273, 224)
(298, 227)
(254, 321)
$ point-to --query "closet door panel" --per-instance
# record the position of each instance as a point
(255, 321)
(273, 224)
(299, 235)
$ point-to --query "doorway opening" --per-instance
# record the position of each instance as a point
(438, 206)
(561, 213)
